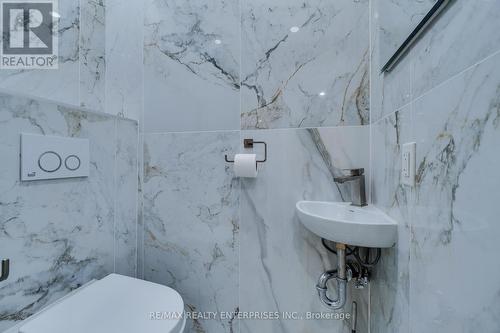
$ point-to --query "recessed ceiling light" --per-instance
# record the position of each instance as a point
(294, 29)
(218, 41)
(322, 94)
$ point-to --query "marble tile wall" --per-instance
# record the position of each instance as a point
(60, 234)
(227, 249)
(464, 36)
(388, 91)
(92, 54)
(126, 197)
(445, 97)
(455, 212)
(398, 18)
(79, 80)
(213, 74)
(192, 65)
(192, 222)
(316, 76)
(304, 64)
(97, 40)
(124, 50)
(390, 281)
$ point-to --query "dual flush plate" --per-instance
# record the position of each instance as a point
(52, 157)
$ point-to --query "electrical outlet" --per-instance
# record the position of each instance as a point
(408, 164)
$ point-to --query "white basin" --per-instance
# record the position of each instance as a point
(342, 223)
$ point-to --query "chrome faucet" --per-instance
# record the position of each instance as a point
(358, 192)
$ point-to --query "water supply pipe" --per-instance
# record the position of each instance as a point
(340, 275)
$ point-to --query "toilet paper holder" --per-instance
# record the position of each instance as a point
(249, 143)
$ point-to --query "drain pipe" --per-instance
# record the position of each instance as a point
(340, 275)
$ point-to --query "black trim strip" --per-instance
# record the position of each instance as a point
(426, 21)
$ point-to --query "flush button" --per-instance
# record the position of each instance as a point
(72, 162)
(49, 161)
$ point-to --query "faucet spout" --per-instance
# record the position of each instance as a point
(345, 179)
(358, 191)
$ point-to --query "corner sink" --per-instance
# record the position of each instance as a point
(343, 223)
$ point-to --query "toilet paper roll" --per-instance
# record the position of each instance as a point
(245, 165)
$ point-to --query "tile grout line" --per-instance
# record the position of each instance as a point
(79, 53)
(240, 183)
(370, 151)
(454, 76)
(370, 136)
(413, 100)
(115, 193)
(258, 130)
(140, 217)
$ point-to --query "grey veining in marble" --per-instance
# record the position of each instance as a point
(389, 91)
(92, 54)
(58, 233)
(431, 281)
(398, 18)
(192, 65)
(449, 219)
(304, 64)
(465, 34)
(280, 260)
(191, 220)
(61, 85)
(447, 48)
(126, 197)
(80, 78)
(124, 50)
(390, 287)
(140, 210)
(457, 128)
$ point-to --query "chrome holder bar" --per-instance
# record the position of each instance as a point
(249, 143)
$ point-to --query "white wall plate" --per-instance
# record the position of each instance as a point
(408, 164)
(53, 157)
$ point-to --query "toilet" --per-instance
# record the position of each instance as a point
(114, 304)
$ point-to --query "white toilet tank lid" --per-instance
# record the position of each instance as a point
(115, 303)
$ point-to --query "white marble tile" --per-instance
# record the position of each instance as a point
(280, 261)
(398, 18)
(126, 197)
(389, 91)
(191, 73)
(61, 84)
(465, 34)
(140, 211)
(124, 60)
(451, 213)
(191, 218)
(80, 78)
(390, 281)
(58, 233)
(455, 231)
(316, 76)
(92, 54)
